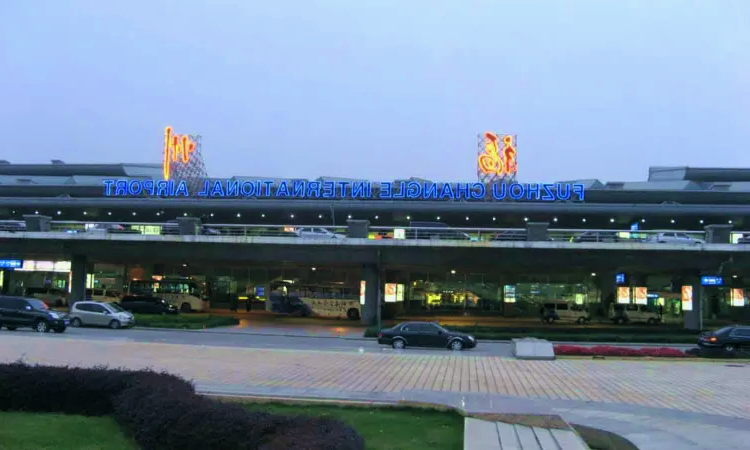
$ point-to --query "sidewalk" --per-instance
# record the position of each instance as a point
(684, 405)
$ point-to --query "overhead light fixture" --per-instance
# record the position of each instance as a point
(263, 215)
(134, 213)
(184, 265)
(212, 214)
(643, 220)
(453, 271)
(730, 222)
(291, 215)
(109, 213)
(612, 220)
(239, 215)
(184, 214)
(583, 220)
(467, 217)
(59, 212)
(376, 217)
(701, 221)
(314, 269)
(437, 218)
(36, 212)
(593, 274)
(554, 219)
(320, 216)
(734, 276)
(158, 213)
(408, 217)
(85, 214)
(525, 219)
(349, 216)
(672, 220)
(494, 219)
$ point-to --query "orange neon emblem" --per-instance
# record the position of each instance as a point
(492, 161)
(176, 148)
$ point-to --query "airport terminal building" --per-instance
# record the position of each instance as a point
(143, 197)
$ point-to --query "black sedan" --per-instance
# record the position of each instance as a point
(424, 334)
(145, 304)
(732, 339)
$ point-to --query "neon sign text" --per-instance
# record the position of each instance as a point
(364, 190)
(177, 148)
(494, 161)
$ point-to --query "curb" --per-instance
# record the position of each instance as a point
(349, 338)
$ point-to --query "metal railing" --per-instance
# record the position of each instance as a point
(378, 232)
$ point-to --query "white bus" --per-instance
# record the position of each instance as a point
(184, 293)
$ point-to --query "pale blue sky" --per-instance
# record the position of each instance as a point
(379, 89)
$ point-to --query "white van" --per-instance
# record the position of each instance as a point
(102, 295)
(563, 311)
(632, 313)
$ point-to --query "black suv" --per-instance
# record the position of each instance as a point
(19, 312)
(146, 304)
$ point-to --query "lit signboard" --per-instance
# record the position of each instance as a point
(738, 297)
(712, 281)
(498, 158)
(391, 290)
(623, 295)
(620, 278)
(11, 263)
(687, 298)
(641, 295)
(177, 149)
(302, 189)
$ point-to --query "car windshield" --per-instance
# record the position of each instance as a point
(724, 330)
(37, 304)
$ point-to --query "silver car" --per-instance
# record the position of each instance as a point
(90, 313)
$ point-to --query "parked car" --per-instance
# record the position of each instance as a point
(145, 304)
(733, 339)
(565, 312)
(317, 233)
(510, 235)
(173, 228)
(92, 313)
(424, 334)
(673, 237)
(597, 236)
(12, 226)
(51, 296)
(19, 312)
(630, 313)
(745, 239)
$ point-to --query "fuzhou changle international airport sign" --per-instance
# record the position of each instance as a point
(354, 190)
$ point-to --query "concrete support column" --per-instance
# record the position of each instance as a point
(537, 231)
(7, 274)
(358, 228)
(371, 277)
(718, 234)
(607, 294)
(37, 223)
(189, 226)
(692, 312)
(267, 295)
(78, 267)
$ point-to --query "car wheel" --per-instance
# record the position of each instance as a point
(59, 330)
(550, 320)
(185, 307)
(651, 322)
(76, 322)
(456, 345)
(352, 314)
(581, 320)
(41, 327)
(115, 324)
(398, 344)
(618, 321)
(730, 348)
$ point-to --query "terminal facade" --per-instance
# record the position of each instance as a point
(139, 195)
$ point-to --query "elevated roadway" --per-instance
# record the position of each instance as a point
(143, 248)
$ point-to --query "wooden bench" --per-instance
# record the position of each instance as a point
(484, 435)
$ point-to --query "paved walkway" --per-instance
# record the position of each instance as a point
(652, 402)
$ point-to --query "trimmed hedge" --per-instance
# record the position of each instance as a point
(608, 350)
(163, 411)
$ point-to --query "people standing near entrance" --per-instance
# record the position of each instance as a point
(233, 303)
(248, 302)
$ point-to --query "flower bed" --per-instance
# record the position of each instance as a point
(608, 350)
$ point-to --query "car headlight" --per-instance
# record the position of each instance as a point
(54, 315)
(471, 338)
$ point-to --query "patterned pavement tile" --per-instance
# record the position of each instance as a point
(688, 386)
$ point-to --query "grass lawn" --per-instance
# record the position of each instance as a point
(184, 321)
(387, 428)
(27, 431)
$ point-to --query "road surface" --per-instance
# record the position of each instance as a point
(244, 339)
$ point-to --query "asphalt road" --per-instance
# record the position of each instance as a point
(235, 338)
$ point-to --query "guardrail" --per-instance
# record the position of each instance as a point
(329, 232)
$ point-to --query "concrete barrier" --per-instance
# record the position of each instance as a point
(533, 349)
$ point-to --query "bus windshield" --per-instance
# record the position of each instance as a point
(185, 287)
